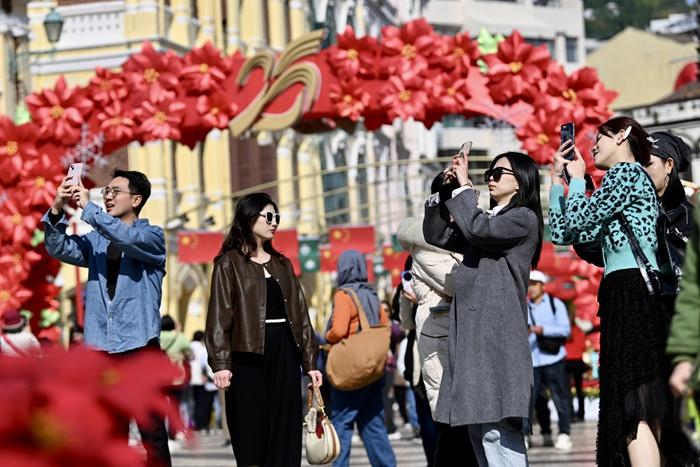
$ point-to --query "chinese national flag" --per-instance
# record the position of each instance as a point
(329, 262)
(360, 238)
(196, 247)
(394, 262)
(287, 243)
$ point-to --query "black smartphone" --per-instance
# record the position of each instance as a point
(567, 134)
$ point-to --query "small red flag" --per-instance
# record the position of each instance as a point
(287, 243)
(198, 246)
(360, 238)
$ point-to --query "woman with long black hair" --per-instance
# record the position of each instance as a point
(258, 337)
(635, 402)
(487, 384)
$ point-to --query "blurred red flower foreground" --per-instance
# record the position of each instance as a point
(71, 408)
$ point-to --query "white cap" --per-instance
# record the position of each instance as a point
(538, 276)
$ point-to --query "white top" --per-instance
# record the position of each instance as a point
(24, 341)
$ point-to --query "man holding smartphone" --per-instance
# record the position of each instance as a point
(125, 257)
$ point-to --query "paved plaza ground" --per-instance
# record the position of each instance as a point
(409, 452)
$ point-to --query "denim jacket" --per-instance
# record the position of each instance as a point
(132, 318)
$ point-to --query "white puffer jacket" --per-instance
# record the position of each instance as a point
(433, 285)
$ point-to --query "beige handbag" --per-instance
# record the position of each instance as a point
(358, 360)
(322, 443)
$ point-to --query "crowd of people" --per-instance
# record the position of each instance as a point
(474, 345)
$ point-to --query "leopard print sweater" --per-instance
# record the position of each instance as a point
(626, 188)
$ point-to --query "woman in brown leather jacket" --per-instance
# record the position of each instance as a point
(258, 335)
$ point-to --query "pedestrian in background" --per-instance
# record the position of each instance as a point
(202, 383)
(487, 383)
(15, 339)
(259, 337)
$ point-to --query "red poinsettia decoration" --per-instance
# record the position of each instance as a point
(116, 123)
(40, 182)
(17, 146)
(60, 112)
(583, 91)
(409, 47)
(404, 99)
(451, 93)
(17, 219)
(12, 292)
(160, 119)
(107, 86)
(455, 53)
(18, 259)
(350, 99)
(204, 69)
(216, 110)
(351, 56)
(153, 72)
(516, 66)
(541, 134)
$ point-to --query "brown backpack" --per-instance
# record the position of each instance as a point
(358, 360)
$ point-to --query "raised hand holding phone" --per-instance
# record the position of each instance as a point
(567, 136)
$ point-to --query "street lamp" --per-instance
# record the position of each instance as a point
(53, 24)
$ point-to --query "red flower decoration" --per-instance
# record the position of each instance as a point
(12, 292)
(161, 119)
(404, 99)
(116, 123)
(60, 112)
(541, 135)
(204, 69)
(409, 47)
(455, 53)
(17, 145)
(516, 66)
(17, 220)
(18, 259)
(352, 56)
(350, 99)
(40, 182)
(583, 91)
(216, 110)
(107, 86)
(153, 71)
(451, 93)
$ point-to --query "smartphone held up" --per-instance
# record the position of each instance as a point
(75, 174)
(568, 134)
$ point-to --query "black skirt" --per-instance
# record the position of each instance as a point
(264, 402)
(634, 370)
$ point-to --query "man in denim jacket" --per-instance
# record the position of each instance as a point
(125, 257)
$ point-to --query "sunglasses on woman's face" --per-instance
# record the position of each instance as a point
(269, 217)
(496, 173)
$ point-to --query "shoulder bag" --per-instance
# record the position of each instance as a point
(358, 360)
(322, 443)
(649, 274)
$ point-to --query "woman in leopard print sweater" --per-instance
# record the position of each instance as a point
(635, 403)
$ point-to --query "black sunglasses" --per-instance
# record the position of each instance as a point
(269, 217)
(496, 174)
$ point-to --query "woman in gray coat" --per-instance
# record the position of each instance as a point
(487, 384)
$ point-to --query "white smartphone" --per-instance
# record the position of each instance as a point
(75, 172)
(407, 281)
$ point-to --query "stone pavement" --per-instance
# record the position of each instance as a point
(409, 452)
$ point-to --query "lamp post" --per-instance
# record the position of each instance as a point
(53, 25)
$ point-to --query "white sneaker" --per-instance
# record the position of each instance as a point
(394, 436)
(563, 442)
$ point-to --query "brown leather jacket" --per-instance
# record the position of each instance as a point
(236, 316)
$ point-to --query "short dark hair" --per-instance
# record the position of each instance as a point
(637, 139)
(198, 336)
(138, 185)
(167, 323)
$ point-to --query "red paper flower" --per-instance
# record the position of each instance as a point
(451, 93)
(160, 119)
(404, 99)
(17, 220)
(152, 71)
(40, 182)
(349, 99)
(351, 56)
(204, 69)
(455, 53)
(516, 66)
(540, 136)
(12, 292)
(60, 112)
(18, 259)
(116, 123)
(107, 86)
(409, 47)
(216, 110)
(17, 145)
(583, 91)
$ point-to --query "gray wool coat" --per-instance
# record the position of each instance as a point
(489, 374)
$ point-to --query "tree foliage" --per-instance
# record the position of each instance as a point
(605, 18)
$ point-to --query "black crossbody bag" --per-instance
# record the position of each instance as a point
(548, 344)
(649, 274)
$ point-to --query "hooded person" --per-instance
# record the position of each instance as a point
(15, 340)
(362, 406)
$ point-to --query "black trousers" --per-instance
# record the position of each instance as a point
(154, 434)
(203, 404)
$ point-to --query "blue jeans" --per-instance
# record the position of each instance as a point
(364, 407)
(411, 408)
(553, 377)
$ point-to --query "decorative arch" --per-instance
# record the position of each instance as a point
(410, 72)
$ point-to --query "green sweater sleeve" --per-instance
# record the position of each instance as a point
(559, 213)
(684, 340)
